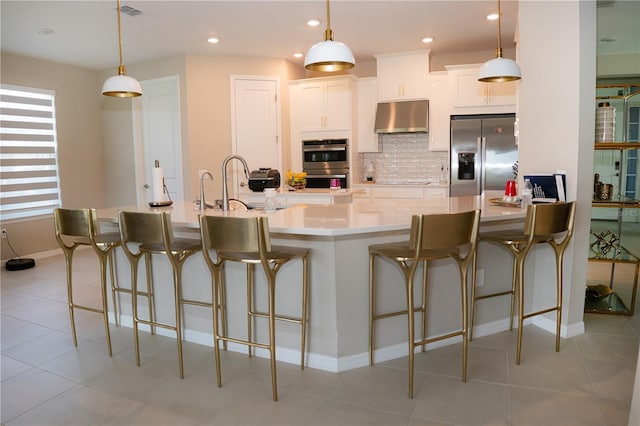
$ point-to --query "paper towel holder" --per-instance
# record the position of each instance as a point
(164, 190)
(162, 203)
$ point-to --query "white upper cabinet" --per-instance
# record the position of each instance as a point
(367, 139)
(321, 104)
(403, 76)
(467, 91)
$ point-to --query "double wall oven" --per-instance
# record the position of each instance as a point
(325, 159)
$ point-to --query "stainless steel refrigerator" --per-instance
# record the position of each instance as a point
(483, 153)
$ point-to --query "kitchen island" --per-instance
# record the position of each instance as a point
(338, 236)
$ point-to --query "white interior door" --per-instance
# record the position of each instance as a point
(255, 125)
(160, 137)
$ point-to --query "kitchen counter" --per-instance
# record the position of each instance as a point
(338, 236)
(357, 217)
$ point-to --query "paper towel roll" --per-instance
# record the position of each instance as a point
(158, 185)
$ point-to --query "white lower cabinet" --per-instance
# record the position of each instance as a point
(399, 191)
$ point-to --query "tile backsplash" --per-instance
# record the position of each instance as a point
(404, 158)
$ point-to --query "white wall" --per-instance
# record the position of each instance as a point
(556, 110)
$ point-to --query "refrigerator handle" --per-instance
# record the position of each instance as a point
(480, 164)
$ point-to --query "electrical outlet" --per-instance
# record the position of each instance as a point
(479, 277)
(3, 233)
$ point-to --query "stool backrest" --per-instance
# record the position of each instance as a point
(438, 231)
(79, 226)
(141, 227)
(75, 222)
(235, 234)
(546, 221)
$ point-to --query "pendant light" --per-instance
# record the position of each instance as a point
(499, 70)
(329, 55)
(121, 85)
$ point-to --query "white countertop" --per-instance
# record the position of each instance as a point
(359, 217)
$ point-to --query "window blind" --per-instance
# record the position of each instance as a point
(29, 180)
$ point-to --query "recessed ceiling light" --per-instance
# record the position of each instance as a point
(298, 55)
(427, 39)
(313, 22)
(608, 39)
(492, 17)
(213, 40)
(44, 31)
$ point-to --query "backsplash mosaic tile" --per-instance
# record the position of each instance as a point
(404, 158)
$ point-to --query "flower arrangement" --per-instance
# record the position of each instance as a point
(296, 181)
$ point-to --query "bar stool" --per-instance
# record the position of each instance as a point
(79, 227)
(153, 233)
(247, 240)
(432, 237)
(544, 224)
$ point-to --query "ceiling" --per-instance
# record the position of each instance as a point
(84, 33)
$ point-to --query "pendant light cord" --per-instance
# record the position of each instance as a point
(328, 33)
(121, 70)
(499, 50)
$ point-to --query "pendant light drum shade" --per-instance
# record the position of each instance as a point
(499, 70)
(121, 86)
(329, 56)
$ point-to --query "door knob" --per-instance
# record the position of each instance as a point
(145, 186)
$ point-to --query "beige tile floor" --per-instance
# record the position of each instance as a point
(48, 381)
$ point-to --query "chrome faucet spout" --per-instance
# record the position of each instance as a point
(225, 190)
(203, 204)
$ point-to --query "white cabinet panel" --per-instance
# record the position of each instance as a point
(467, 91)
(321, 105)
(403, 76)
(367, 96)
(439, 113)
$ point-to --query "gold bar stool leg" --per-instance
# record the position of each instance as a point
(372, 314)
(148, 257)
(465, 320)
(423, 307)
(250, 309)
(474, 266)
(272, 334)
(559, 256)
(69, 261)
(520, 269)
(134, 309)
(103, 293)
(114, 298)
(177, 284)
(305, 307)
(411, 320)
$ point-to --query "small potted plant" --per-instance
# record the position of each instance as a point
(296, 181)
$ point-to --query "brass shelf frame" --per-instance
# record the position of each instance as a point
(613, 303)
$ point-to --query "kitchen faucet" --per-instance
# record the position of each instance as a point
(203, 204)
(225, 191)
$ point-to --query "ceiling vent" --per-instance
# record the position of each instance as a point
(128, 10)
(605, 3)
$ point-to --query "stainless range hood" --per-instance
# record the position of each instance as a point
(402, 117)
